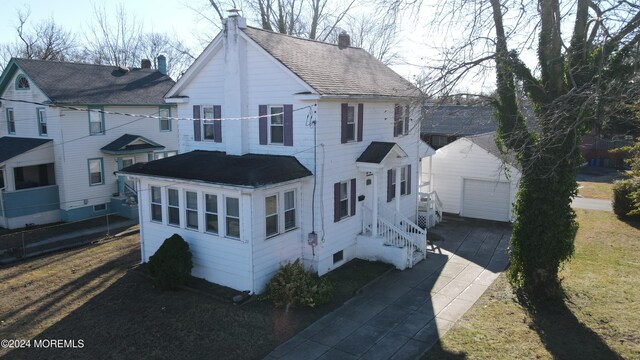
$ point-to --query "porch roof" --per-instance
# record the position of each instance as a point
(130, 144)
(377, 151)
(217, 167)
(11, 146)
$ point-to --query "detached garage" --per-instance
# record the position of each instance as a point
(472, 178)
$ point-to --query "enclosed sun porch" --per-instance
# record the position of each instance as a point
(28, 190)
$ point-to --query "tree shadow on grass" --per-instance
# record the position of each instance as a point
(562, 333)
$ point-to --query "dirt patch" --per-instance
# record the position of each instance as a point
(94, 294)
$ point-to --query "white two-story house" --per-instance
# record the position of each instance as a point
(289, 148)
(64, 134)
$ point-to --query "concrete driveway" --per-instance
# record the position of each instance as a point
(591, 204)
(403, 314)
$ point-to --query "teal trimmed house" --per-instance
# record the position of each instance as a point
(64, 135)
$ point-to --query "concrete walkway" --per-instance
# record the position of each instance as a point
(591, 204)
(403, 315)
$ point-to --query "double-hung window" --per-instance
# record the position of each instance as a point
(289, 210)
(211, 213)
(96, 121)
(344, 199)
(271, 213)
(191, 209)
(351, 123)
(96, 172)
(165, 123)
(391, 189)
(156, 204)
(276, 125)
(11, 121)
(207, 123)
(173, 207)
(42, 121)
(403, 180)
(232, 207)
(401, 120)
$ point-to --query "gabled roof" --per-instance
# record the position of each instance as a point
(488, 142)
(217, 167)
(129, 144)
(76, 83)
(333, 70)
(11, 147)
(377, 151)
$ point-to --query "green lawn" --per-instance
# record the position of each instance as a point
(599, 319)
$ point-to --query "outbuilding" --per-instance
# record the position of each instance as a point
(474, 179)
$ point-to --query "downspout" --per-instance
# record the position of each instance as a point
(140, 221)
(4, 213)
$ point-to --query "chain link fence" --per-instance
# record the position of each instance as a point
(41, 240)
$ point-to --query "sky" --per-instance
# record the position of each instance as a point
(173, 17)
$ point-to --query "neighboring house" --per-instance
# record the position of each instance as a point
(444, 124)
(474, 179)
(58, 160)
(323, 164)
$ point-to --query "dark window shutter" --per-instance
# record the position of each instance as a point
(336, 202)
(262, 123)
(390, 190)
(352, 201)
(408, 179)
(197, 136)
(406, 119)
(343, 123)
(217, 124)
(360, 121)
(288, 125)
(396, 120)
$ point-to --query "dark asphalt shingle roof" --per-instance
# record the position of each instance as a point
(488, 142)
(13, 146)
(76, 83)
(460, 120)
(463, 120)
(331, 70)
(124, 143)
(376, 152)
(219, 168)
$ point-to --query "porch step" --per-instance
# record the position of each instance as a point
(417, 256)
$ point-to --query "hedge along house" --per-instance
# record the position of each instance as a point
(62, 138)
(289, 148)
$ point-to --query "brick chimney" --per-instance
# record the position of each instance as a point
(145, 64)
(344, 40)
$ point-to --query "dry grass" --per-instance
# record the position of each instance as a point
(595, 190)
(91, 293)
(599, 319)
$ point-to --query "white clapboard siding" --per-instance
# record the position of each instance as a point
(462, 159)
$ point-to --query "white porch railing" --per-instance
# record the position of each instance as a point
(400, 232)
(429, 209)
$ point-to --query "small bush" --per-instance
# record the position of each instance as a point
(622, 202)
(171, 265)
(294, 286)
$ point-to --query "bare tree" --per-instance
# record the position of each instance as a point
(114, 39)
(586, 61)
(44, 40)
(377, 34)
(179, 57)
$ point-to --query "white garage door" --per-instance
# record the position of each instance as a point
(486, 200)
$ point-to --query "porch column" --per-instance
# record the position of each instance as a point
(374, 201)
(120, 178)
(398, 171)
